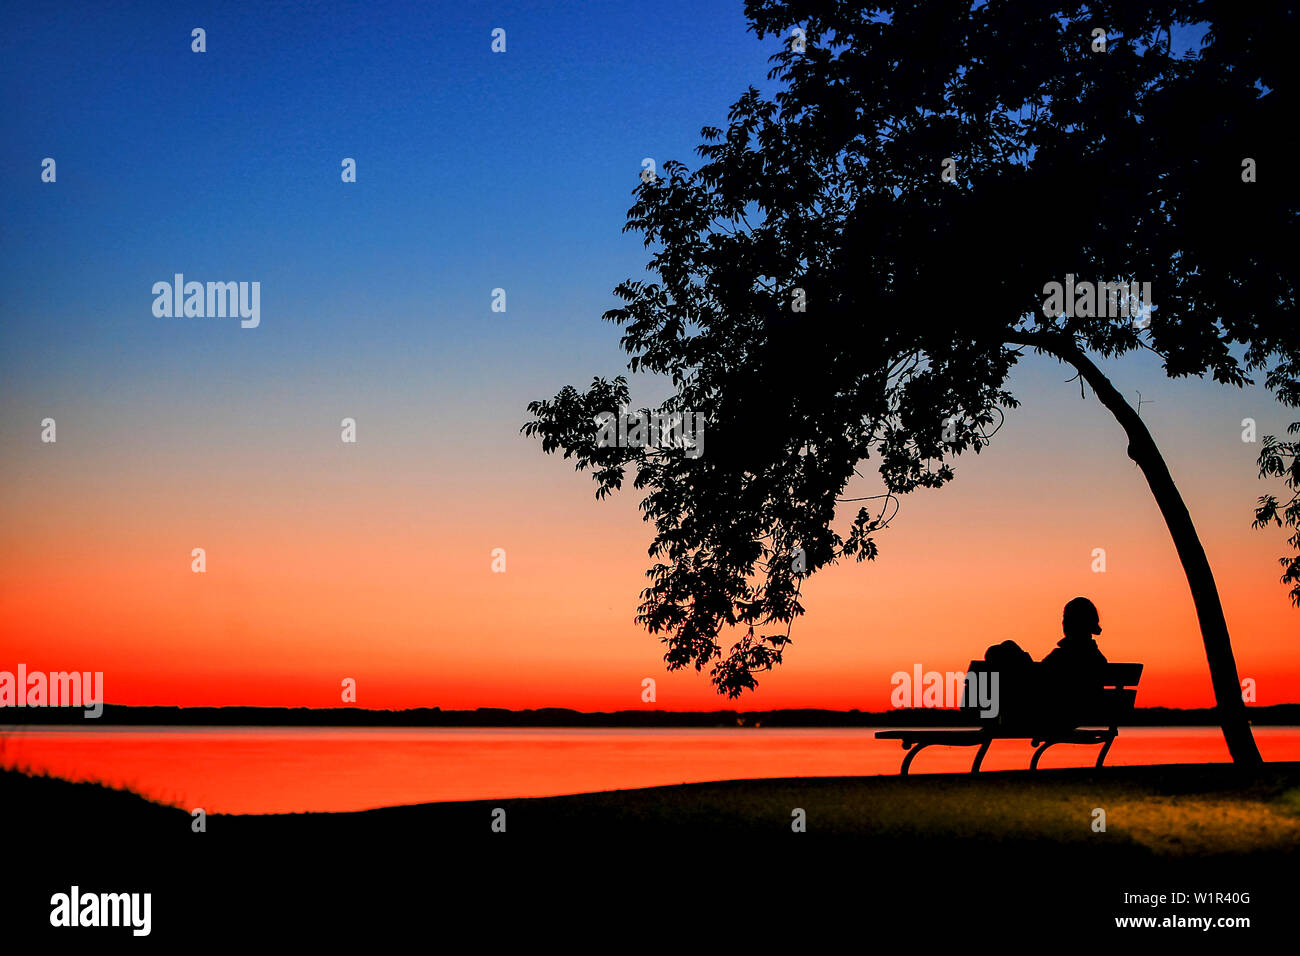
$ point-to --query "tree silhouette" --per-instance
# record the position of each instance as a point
(861, 260)
(1281, 459)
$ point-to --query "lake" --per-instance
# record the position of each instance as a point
(280, 769)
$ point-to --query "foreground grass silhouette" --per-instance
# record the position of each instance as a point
(1017, 842)
(1167, 810)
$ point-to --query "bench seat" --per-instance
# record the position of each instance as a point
(1100, 726)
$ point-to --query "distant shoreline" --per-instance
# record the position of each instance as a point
(119, 715)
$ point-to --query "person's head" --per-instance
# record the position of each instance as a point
(1080, 618)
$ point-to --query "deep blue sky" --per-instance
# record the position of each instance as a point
(475, 170)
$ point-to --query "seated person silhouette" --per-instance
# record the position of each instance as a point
(1077, 650)
(1072, 671)
(1074, 668)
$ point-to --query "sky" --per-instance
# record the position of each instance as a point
(373, 560)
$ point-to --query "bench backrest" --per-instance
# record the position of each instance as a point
(1036, 694)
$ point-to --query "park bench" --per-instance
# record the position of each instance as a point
(1033, 704)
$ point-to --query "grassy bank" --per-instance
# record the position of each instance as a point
(928, 851)
(1180, 810)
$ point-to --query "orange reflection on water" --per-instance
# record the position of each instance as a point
(280, 770)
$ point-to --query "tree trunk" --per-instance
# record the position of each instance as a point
(1205, 593)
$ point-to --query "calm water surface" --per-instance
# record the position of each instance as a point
(277, 769)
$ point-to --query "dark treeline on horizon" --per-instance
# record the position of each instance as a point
(117, 714)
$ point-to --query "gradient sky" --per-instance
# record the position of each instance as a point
(372, 561)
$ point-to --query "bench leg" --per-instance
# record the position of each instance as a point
(1101, 757)
(911, 755)
(979, 757)
(1033, 764)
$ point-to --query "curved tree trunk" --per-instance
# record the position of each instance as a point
(1205, 593)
